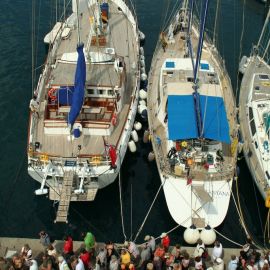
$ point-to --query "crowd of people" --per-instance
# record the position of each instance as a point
(151, 255)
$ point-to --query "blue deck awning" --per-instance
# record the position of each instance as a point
(214, 119)
(181, 117)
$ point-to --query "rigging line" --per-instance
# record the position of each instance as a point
(15, 179)
(241, 213)
(36, 42)
(228, 239)
(164, 15)
(266, 225)
(171, 17)
(89, 223)
(131, 212)
(237, 209)
(120, 197)
(215, 32)
(257, 203)
(33, 43)
(149, 210)
(241, 48)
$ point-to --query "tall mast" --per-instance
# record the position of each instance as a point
(190, 18)
(198, 59)
(78, 23)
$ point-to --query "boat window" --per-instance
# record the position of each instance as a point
(190, 79)
(252, 127)
(250, 113)
(267, 174)
(100, 92)
(263, 77)
(110, 93)
(169, 72)
(91, 91)
(266, 121)
(256, 145)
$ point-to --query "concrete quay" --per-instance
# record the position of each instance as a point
(9, 246)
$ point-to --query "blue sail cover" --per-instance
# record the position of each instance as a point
(65, 94)
(214, 118)
(181, 117)
(78, 95)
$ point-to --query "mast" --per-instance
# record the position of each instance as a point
(190, 18)
(198, 59)
(78, 23)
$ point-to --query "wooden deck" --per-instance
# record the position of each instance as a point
(157, 129)
(120, 37)
(255, 66)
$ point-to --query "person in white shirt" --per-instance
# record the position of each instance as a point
(217, 251)
(76, 263)
(151, 242)
(26, 252)
(200, 248)
(233, 263)
(34, 105)
(218, 264)
(133, 249)
(114, 264)
(62, 263)
(33, 265)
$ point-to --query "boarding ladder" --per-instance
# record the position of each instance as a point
(65, 197)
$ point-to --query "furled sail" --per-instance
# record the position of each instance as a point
(78, 95)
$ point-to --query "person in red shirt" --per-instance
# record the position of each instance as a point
(85, 257)
(165, 241)
(68, 246)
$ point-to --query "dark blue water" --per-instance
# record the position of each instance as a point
(24, 215)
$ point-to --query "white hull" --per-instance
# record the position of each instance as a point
(184, 205)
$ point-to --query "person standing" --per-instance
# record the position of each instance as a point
(233, 263)
(165, 241)
(44, 239)
(217, 251)
(34, 105)
(89, 241)
(151, 242)
(68, 246)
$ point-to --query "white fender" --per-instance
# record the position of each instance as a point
(132, 146)
(134, 136)
(137, 126)
(142, 94)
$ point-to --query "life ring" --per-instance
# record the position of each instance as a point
(52, 93)
(114, 119)
(96, 160)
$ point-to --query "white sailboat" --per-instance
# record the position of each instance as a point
(79, 135)
(254, 112)
(191, 114)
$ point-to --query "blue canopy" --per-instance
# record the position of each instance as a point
(78, 95)
(181, 117)
(65, 94)
(214, 119)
